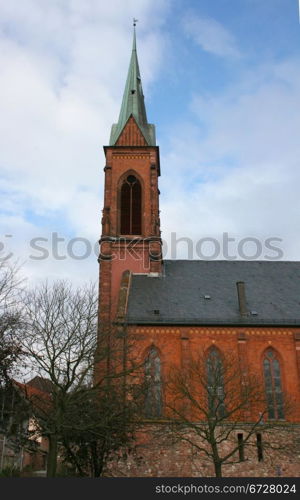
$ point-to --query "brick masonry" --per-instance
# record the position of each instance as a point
(154, 453)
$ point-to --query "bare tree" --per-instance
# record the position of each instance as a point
(83, 420)
(107, 421)
(217, 408)
(10, 318)
(105, 427)
(59, 337)
(12, 409)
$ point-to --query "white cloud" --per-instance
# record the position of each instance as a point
(234, 166)
(244, 172)
(62, 71)
(211, 35)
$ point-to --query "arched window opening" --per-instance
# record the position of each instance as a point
(215, 384)
(153, 389)
(273, 386)
(131, 206)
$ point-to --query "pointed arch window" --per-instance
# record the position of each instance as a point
(131, 206)
(215, 384)
(153, 398)
(273, 385)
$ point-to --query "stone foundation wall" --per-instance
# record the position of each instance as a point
(157, 454)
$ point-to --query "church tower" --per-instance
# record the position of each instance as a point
(130, 239)
(241, 314)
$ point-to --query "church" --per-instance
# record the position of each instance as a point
(172, 309)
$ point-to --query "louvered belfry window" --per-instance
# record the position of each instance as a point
(131, 206)
(273, 385)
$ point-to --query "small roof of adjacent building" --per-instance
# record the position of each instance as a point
(205, 293)
(41, 383)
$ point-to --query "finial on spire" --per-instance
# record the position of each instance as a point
(134, 35)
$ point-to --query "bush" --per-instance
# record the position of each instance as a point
(10, 472)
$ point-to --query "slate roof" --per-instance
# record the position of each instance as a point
(178, 297)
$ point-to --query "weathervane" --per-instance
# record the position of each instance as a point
(134, 22)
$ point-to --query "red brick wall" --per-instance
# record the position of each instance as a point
(156, 454)
(178, 344)
(116, 256)
(122, 161)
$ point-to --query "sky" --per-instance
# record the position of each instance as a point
(221, 80)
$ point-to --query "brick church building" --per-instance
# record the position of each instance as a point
(172, 309)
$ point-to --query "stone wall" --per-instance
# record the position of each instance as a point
(157, 454)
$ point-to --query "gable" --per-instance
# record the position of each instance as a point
(131, 135)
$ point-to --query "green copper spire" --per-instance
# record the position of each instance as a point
(133, 103)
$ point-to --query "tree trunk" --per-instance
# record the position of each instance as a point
(73, 459)
(52, 456)
(218, 469)
(97, 460)
(216, 458)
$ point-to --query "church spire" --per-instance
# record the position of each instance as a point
(133, 102)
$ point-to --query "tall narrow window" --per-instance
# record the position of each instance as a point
(131, 206)
(153, 399)
(259, 445)
(273, 386)
(241, 447)
(215, 384)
